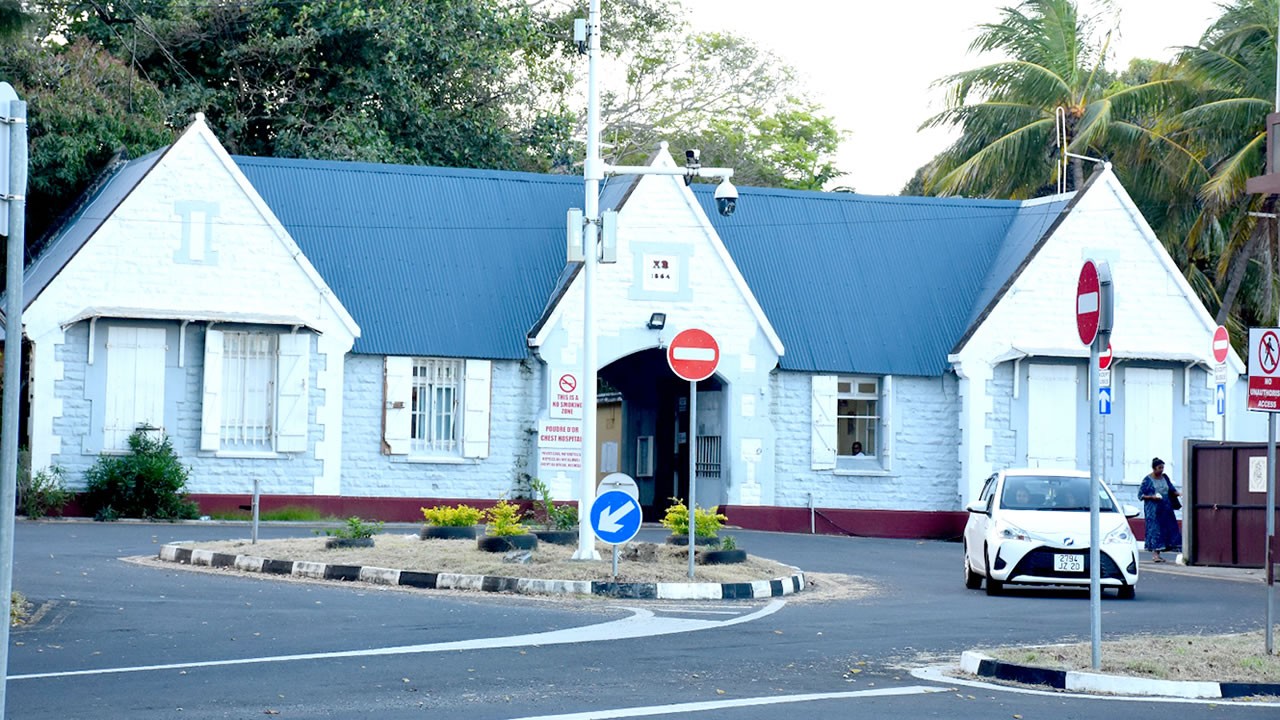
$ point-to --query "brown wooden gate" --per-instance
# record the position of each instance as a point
(1227, 522)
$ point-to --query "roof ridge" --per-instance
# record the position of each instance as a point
(357, 166)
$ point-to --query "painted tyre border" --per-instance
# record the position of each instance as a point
(777, 587)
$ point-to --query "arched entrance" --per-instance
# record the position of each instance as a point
(653, 433)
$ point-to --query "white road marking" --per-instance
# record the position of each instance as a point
(733, 703)
(642, 623)
(938, 674)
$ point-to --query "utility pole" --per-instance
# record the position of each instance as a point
(13, 189)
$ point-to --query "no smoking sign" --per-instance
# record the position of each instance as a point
(566, 396)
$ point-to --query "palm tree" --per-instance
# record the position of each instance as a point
(1006, 110)
(1234, 69)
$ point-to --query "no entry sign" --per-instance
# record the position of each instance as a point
(693, 355)
(1088, 303)
(1104, 358)
(1221, 344)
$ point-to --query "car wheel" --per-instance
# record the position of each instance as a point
(1126, 592)
(994, 586)
(972, 580)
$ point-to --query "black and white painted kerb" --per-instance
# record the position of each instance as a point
(776, 587)
(976, 663)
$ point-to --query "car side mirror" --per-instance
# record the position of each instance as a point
(1130, 511)
(977, 506)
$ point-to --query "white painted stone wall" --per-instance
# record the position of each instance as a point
(139, 261)
(662, 218)
(1158, 317)
(923, 467)
(515, 402)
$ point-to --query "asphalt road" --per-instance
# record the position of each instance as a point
(103, 615)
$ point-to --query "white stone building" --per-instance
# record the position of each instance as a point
(374, 338)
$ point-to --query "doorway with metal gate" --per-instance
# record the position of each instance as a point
(653, 442)
(1224, 512)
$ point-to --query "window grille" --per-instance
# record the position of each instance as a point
(248, 390)
(858, 415)
(644, 456)
(437, 393)
(709, 456)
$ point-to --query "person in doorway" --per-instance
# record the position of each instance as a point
(1157, 493)
(857, 449)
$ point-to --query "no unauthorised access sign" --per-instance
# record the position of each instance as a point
(1264, 369)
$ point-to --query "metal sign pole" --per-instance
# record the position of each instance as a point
(14, 114)
(1271, 527)
(692, 439)
(1095, 470)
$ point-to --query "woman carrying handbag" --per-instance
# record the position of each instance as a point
(1160, 498)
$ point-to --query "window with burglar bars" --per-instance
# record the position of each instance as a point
(437, 396)
(248, 390)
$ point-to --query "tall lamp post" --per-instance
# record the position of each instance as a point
(594, 170)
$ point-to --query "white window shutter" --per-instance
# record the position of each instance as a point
(293, 371)
(397, 408)
(475, 396)
(886, 422)
(824, 422)
(211, 405)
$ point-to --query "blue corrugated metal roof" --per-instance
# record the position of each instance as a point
(856, 283)
(429, 261)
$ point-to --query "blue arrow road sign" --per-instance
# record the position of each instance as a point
(1221, 399)
(1104, 401)
(615, 517)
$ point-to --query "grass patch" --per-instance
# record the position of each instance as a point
(1227, 658)
(407, 552)
(289, 513)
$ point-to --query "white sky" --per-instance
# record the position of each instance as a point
(870, 63)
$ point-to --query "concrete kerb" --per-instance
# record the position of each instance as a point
(777, 587)
(981, 665)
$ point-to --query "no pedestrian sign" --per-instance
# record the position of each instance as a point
(1264, 369)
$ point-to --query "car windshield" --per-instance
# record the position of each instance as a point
(1031, 492)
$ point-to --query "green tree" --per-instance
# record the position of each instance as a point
(1230, 251)
(1005, 110)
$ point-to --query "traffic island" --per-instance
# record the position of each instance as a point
(1182, 666)
(459, 565)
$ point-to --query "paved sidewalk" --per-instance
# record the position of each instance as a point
(1250, 575)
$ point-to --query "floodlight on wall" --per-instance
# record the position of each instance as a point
(657, 321)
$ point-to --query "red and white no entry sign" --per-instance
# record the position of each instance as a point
(1088, 303)
(1104, 358)
(693, 355)
(1221, 344)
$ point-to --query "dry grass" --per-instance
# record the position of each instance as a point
(407, 552)
(1225, 658)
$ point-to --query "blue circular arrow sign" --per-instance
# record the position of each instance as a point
(615, 517)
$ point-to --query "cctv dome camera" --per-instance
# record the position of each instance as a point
(726, 197)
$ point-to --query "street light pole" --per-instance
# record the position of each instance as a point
(594, 170)
(593, 173)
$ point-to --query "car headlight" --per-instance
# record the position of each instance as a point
(1119, 535)
(1009, 531)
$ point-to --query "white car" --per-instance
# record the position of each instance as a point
(1032, 527)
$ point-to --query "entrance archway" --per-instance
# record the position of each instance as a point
(653, 435)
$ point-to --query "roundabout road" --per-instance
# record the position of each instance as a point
(373, 649)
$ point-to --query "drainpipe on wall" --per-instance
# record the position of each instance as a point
(812, 526)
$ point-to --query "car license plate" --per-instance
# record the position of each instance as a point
(1068, 563)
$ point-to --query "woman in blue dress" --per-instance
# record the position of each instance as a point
(1157, 493)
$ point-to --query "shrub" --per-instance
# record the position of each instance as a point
(149, 482)
(728, 543)
(504, 520)
(445, 516)
(17, 608)
(706, 523)
(43, 493)
(547, 513)
(355, 528)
